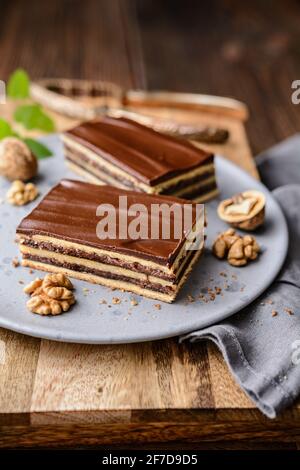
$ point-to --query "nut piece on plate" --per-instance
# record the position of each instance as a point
(58, 286)
(236, 249)
(245, 210)
(17, 162)
(33, 286)
(21, 193)
(50, 296)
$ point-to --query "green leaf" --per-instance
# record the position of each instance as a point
(6, 129)
(33, 117)
(18, 85)
(38, 149)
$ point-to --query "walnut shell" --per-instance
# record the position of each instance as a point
(17, 162)
(245, 211)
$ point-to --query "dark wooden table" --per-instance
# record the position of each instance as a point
(225, 48)
(249, 50)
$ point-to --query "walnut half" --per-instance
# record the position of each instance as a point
(20, 193)
(50, 296)
(236, 249)
(245, 210)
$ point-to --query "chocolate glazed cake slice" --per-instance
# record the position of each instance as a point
(128, 155)
(62, 235)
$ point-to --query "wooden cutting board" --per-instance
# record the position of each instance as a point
(55, 394)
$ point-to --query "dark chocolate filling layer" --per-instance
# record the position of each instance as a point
(145, 284)
(137, 267)
(200, 191)
(186, 183)
(84, 269)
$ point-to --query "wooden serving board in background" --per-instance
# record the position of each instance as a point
(56, 394)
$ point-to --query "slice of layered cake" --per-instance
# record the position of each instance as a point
(128, 155)
(141, 243)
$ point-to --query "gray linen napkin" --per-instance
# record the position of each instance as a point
(262, 351)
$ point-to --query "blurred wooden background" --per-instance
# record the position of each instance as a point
(248, 50)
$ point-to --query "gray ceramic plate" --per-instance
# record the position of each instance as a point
(89, 321)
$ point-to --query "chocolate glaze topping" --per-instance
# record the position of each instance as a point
(68, 212)
(149, 156)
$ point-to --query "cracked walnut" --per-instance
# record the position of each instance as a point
(20, 193)
(236, 249)
(50, 296)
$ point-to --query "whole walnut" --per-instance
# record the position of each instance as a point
(17, 162)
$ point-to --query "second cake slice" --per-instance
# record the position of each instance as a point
(127, 155)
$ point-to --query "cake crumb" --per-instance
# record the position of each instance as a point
(21, 282)
(15, 262)
(31, 271)
(134, 302)
(116, 300)
(103, 301)
(269, 301)
(212, 296)
(289, 311)
(234, 276)
(218, 290)
(223, 274)
(190, 298)
(274, 313)
(157, 306)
